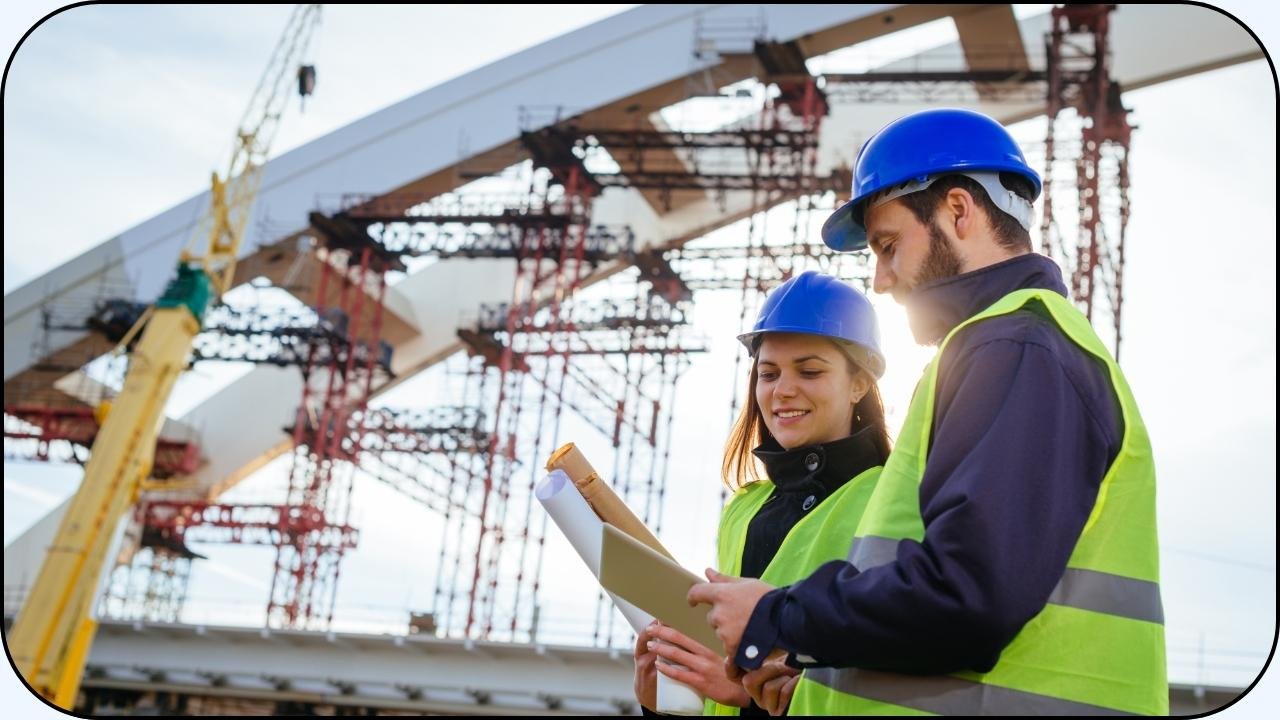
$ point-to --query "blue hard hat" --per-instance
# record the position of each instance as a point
(816, 304)
(912, 150)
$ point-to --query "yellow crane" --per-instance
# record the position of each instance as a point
(51, 636)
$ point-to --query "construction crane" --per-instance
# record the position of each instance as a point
(51, 636)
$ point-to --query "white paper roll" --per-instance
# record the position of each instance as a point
(585, 532)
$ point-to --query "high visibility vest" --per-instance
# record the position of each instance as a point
(819, 537)
(1097, 647)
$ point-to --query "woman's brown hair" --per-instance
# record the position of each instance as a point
(740, 468)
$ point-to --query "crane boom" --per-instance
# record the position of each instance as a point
(51, 636)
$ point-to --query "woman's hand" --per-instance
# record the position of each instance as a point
(772, 684)
(702, 670)
(646, 680)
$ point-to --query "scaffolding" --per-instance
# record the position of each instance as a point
(1086, 147)
(149, 581)
(595, 334)
(336, 346)
(609, 354)
(65, 434)
(53, 410)
(1084, 103)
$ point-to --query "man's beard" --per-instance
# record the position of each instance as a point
(941, 263)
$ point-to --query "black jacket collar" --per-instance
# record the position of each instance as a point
(935, 308)
(828, 465)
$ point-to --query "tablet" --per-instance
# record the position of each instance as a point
(654, 583)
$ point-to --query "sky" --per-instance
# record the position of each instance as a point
(162, 86)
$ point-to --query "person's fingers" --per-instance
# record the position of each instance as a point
(647, 634)
(790, 687)
(675, 637)
(784, 696)
(711, 623)
(680, 656)
(729, 642)
(693, 679)
(754, 694)
(646, 658)
(773, 694)
(752, 683)
(717, 577)
(720, 621)
(767, 695)
(701, 593)
(642, 644)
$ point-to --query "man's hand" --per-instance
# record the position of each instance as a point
(702, 669)
(772, 685)
(732, 600)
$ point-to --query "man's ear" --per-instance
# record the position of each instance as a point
(962, 212)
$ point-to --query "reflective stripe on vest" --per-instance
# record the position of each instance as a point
(1078, 588)
(947, 695)
(1097, 647)
(820, 536)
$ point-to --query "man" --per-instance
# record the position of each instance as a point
(1007, 560)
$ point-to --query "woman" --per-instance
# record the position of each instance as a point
(817, 425)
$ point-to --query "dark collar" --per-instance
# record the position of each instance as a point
(935, 308)
(830, 465)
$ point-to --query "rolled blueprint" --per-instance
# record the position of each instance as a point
(585, 532)
(608, 506)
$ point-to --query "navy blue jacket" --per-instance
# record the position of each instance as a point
(1025, 425)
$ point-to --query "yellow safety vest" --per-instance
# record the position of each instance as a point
(1097, 647)
(819, 537)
